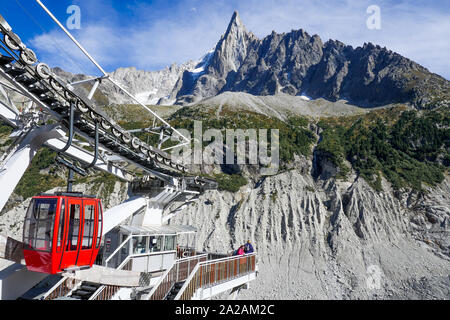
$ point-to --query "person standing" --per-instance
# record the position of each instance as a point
(248, 248)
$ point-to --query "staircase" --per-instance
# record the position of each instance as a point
(173, 279)
(85, 290)
(215, 276)
(174, 291)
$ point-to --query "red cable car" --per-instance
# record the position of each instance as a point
(62, 231)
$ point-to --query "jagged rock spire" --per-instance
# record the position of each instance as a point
(296, 63)
(235, 24)
(232, 48)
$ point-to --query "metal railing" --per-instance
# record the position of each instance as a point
(119, 248)
(184, 252)
(186, 265)
(61, 289)
(179, 271)
(106, 292)
(213, 272)
(128, 249)
(215, 255)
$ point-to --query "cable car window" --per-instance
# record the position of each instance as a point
(62, 219)
(38, 225)
(88, 230)
(99, 226)
(74, 227)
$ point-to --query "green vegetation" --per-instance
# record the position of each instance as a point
(5, 131)
(33, 181)
(231, 182)
(132, 116)
(409, 148)
(402, 145)
(294, 138)
(332, 145)
(99, 97)
(102, 185)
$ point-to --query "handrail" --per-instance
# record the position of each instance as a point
(50, 291)
(160, 281)
(188, 259)
(187, 282)
(54, 287)
(117, 250)
(183, 252)
(173, 278)
(61, 288)
(129, 257)
(114, 289)
(211, 272)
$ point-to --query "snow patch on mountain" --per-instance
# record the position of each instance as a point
(203, 64)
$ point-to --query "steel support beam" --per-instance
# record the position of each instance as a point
(17, 164)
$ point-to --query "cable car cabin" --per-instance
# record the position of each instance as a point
(62, 231)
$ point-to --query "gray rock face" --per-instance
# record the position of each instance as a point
(318, 238)
(152, 87)
(297, 63)
(326, 239)
(149, 87)
(280, 106)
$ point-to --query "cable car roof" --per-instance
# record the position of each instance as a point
(67, 194)
(158, 230)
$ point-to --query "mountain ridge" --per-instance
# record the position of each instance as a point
(293, 63)
(297, 63)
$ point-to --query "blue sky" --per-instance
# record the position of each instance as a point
(151, 35)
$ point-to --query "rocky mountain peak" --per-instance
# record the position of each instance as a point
(299, 64)
(294, 63)
(235, 25)
(231, 50)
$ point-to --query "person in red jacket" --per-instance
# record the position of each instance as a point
(241, 251)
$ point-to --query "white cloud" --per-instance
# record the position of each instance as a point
(161, 37)
(56, 49)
